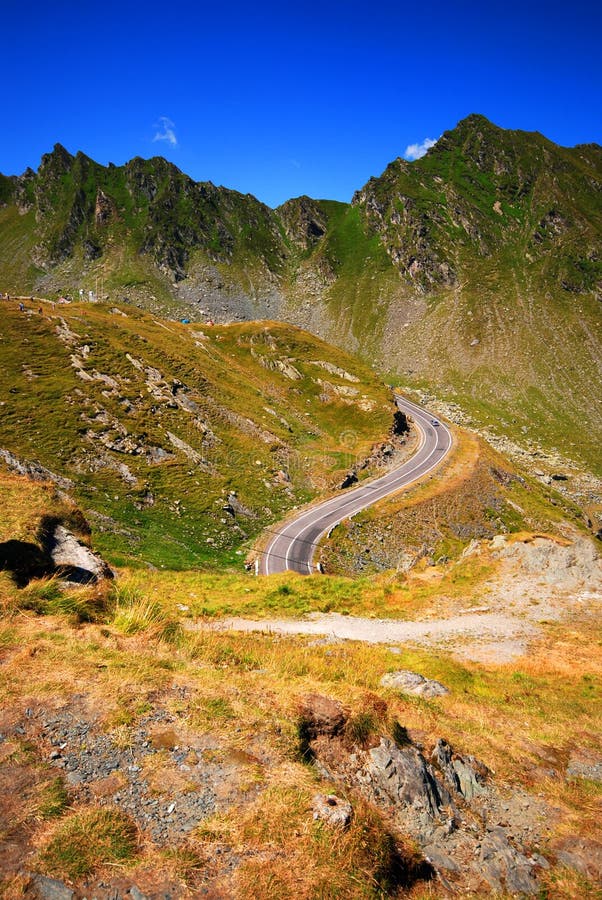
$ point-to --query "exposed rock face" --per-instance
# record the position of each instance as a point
(401, 776)
(44, 888)
(585, 763)
(582, 854)
(33, 470)
(576, 564)
(105, 208)
(304, 221)
(461, 203)
(334, 370)
(445, 804)
(412, 683)
(465, 776)
(407, 231)
(73, 559)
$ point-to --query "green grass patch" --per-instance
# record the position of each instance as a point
(53, 799)
(88, 839)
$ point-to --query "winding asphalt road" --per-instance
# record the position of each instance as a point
(294, 545)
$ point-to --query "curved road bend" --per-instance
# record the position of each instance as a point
(294, 546)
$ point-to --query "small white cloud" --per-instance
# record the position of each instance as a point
(166, 131)
(294, 163)
(416, 151)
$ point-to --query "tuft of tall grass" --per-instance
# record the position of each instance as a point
(53, 799)
(49, 597)
(133, 613)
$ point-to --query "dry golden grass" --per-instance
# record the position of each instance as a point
(242, 686)
(23, 504)
(288, 853)
(244, 691)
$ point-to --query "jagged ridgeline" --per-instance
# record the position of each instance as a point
(180, 443)
(477, 268)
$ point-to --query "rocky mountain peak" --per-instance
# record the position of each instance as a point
(304, 220)
(59, 160)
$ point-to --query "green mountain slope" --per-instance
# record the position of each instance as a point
(181, 444)
(497, 237)
(475, 271)
(132, 231)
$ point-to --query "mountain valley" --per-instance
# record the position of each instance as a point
(185, 372)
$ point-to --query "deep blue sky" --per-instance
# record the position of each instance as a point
(282, 100)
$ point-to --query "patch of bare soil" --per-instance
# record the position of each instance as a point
(166, 777)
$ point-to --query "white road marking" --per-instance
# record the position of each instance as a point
(387, 483)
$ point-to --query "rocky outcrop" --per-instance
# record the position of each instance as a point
(466, 776)
(335, 370)
(401, 777)
(44, 888)
(304, 221)
(34, 470)
(408, 231)
(449, 804)
(105, 209)
(71, 557)
(412, 683)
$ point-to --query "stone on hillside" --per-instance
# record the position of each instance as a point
(286, 367)
(73, 559)
(332, 810)
(403, 777)
(44, 888)
(349, 479)
(334, 370)
(322, 716)
(187, 450)
(34, 470)
(582, 854)
(105, 208)
(463, 775)
(136, 894)
(585, 763)
(503, 867)
(234, 507)
(412, 683)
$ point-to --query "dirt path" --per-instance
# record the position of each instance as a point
(538, 579)
(476, 636)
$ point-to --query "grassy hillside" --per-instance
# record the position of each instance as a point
(181, 443)
(497, 238)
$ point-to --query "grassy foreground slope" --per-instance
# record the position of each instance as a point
(139, 751)
(180, 443)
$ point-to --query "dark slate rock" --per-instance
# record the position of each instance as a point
(503, 867)
(50, 889)
(403, 776)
